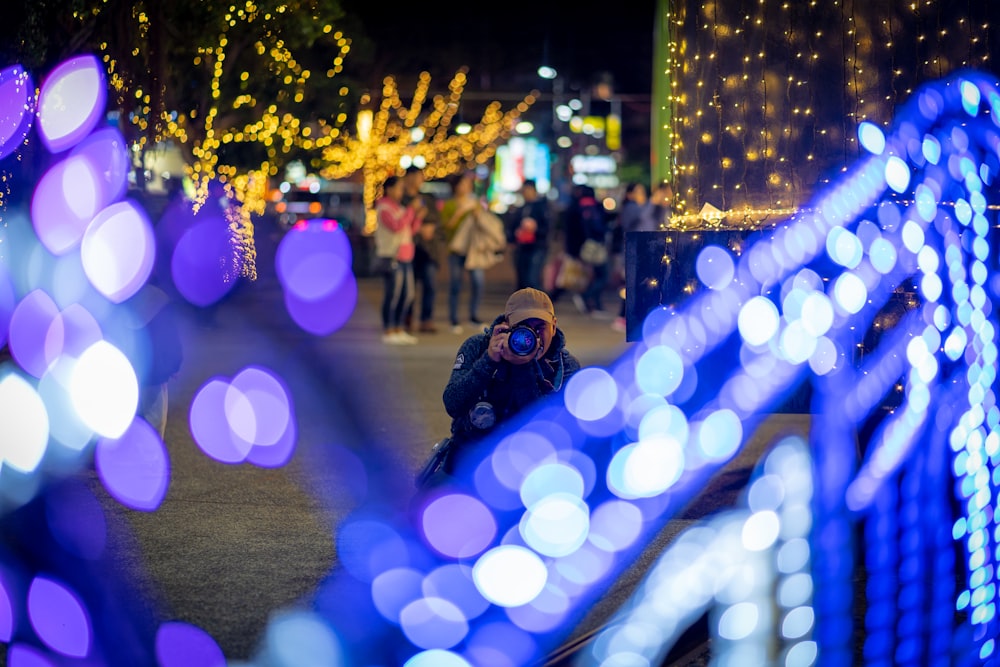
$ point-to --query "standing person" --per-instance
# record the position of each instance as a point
(528, 231)
(497, 373)
(458, 211)
(636, 214)
(591, 222)
(394, 244)
(430, 244)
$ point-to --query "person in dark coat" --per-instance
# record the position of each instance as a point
(528, 232)
(499, 372)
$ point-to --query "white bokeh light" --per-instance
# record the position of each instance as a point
(817, 314)
(646, 468)
(659, 370)
(758, 320)
(591, 394)
(557, 525)
(25, 432)
(104, 389)
(850, 293)
(510, 575)
(720, 435)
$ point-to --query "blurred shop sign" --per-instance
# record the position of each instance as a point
(598, 171)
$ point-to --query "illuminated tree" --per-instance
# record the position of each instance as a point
(232, 95)
(396, 135)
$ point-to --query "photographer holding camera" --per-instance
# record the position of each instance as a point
(519, 359)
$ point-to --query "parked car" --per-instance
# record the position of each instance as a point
(294, 205)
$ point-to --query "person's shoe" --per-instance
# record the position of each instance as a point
(407, 339)
(580, 304)
(392, 338)
(456, 328)
(428, 327)
(619, 325)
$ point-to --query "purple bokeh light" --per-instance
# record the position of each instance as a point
(107, 151)
(433, 623)
(501, 645)
(8, 301)
(118, 251)
(202, 260)
(394, 589)
(209, 425)
(453, 582)
(185, 645)
(65, 200)
(134, 468)
(29, 338)
(23, 655)
(458, 526)
(17, 108)
(615, 525)
(250, 418)
(313, 264)
(59, 618)
(311, 261)
(543, 614)
(278, 454)
(7, 620)
(71, 101)
(80, 329)
(327, 315)
(257, 406)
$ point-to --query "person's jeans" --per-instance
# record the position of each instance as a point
(598, 281)
(528, 262)
(398, 293)
(426, 276)
(477, 279)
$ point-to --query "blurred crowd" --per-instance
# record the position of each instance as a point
(572, 249)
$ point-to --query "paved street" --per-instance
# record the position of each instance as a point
(233, 543)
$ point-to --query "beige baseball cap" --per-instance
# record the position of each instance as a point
(527, 303)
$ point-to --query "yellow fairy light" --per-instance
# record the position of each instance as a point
(803, 134)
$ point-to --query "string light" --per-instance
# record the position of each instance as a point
(803, 93)
(384, 139)
(276, 127)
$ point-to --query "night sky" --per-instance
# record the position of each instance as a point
(504, 43)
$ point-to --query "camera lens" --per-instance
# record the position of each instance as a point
(522, 341)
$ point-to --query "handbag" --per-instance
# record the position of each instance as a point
(573, 274)
(488, 241)
(460, 242)
(435, 463)
(594, 252)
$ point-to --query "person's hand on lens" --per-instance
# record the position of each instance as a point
(498, 343)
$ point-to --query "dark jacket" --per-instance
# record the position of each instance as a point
(584, 219)
(539, 210)
(432, 250)
(508, 388)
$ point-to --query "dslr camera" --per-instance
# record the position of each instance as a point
(522, 340)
